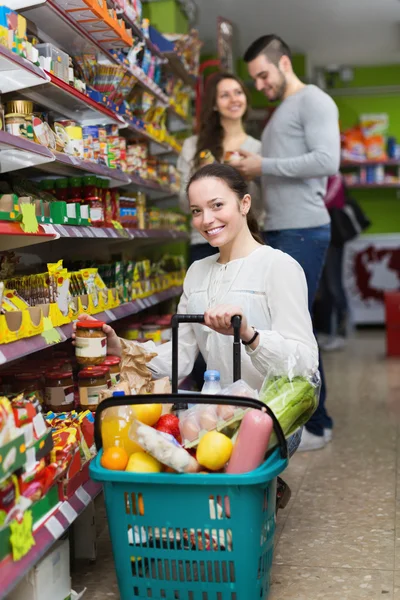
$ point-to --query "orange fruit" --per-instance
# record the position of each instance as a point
(115, 458)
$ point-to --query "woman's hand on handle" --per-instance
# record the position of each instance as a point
(219, 319)
(113, 341)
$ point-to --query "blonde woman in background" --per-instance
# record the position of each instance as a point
(224, 110)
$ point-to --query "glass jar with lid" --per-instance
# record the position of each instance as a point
(114, 365)
(90, 343)
(59, 391)
(92, 381)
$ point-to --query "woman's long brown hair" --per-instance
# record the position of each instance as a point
(236, 183)
(211, 133)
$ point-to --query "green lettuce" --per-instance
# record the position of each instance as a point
(292, 402)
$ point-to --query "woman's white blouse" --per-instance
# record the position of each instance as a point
(271, 289)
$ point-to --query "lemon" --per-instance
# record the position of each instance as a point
(147, 413)
(140, 462)
(214, 450)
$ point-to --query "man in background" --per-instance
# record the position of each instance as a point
(300, 149)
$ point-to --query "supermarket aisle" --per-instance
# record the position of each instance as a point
(337, 538)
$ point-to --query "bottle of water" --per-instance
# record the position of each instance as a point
(212, 383)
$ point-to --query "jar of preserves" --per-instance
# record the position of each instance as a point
(90, 343)
(30, 383)
(92, 381)
(113, 363)
(59, 391)
(15, 124)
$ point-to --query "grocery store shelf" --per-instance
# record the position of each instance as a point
(147, 83)
(152, 189)
(12, 236)
(160, 147)
(68, 165)
(370, 163)
(378, 186)
(68, 231)
(72, 38)
(179, 69)
(23, 4)
(20, 153)
(65, 101)
(46, 534)
(61, 29)
(178, 115)
(21, 348)
(17, 72)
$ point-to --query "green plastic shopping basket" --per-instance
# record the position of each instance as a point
(191, 536)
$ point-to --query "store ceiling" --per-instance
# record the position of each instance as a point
(328, 31)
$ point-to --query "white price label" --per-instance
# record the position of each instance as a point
(110, 315)
(47, 228)
(54, 526)
(40, 425)
(69, 512)
(83, 496)
(77, 232)
(98, 232)
(30, 459)
(88, 232)
(28, 434)
(62, 230)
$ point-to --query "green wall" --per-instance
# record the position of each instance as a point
(166, 16)
(370, 76)
(381, 205)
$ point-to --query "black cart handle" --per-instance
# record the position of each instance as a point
(197, 399)
(177, 319)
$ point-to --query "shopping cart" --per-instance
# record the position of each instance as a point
(192, 536)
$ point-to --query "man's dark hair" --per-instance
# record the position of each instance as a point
(272, 46)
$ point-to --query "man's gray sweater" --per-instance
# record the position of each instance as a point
(300, 149)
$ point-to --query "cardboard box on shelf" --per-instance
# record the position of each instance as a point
(49, 579)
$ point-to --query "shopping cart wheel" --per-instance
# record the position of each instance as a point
(283, 494)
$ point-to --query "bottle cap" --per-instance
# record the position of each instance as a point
(211, 376)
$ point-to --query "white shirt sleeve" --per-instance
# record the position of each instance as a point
(289, 348)
(161, 365)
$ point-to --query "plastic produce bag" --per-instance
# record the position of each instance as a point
(240, 388)
(292, 400)
(201, 418)
(163, 447)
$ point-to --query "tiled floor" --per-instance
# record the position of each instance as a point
(337, 539)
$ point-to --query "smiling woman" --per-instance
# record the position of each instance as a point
(221, 135)
(265, 286)
(219, 199)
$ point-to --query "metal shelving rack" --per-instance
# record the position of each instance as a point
(29, 81)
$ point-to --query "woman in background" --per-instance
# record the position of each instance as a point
(331, 310)
(221, 131)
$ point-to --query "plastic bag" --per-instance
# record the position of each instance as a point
(240, 388)
(292, 400)
(163, 447)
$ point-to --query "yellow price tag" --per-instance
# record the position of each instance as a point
(50, 334)
(29, 221)
(21, 537)
(121, 229)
